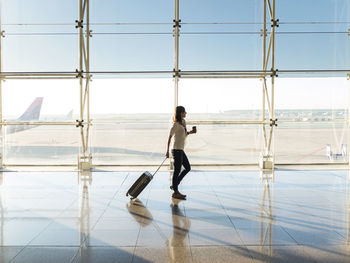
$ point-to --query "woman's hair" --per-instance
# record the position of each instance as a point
(177, 114)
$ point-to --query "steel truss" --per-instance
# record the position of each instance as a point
(267, 156)
(2, 35)
(83, 73)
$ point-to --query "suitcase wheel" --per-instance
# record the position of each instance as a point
(127, 194)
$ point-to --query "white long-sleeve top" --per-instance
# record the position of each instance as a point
(180, 134)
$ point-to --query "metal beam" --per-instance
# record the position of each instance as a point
(84, 159)
(176, 31)
(268, 90)
(1, 80)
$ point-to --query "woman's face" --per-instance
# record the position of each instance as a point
(183, 114)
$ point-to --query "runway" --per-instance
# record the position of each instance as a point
(142, 141)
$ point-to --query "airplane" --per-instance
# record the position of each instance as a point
(31, 114)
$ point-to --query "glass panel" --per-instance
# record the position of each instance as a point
(40, 35)
(41, 145)
(131, 120)
(221, 52)
(130, 139)
(312, 114)
(311, 142)
(308, 10)
(59, 100)
(305, 95)
(312, 51)
(131, 11)
(313, 36)
(222, 11)
(131, 52)
(40, 53)
(225, 144)
(221, 99)
(39, 11)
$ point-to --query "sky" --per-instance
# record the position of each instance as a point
(155, 52)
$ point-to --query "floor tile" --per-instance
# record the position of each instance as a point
(164, 254)
(8, 253)
(266, 235)
(104, 255)
(61, 237)
(285, 254)
(215, 237)
(19, 232)
(205, 254)
(309, 236)
(122, 238)
(334, 254)
(45, 254)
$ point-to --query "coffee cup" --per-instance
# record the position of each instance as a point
(194, 129)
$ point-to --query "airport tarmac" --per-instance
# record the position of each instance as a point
(144, 142)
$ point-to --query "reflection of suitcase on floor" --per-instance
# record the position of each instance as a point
(141, 183)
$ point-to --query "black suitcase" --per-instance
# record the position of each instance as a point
(141, 183)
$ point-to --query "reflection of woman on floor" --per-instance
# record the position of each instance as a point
(179, 131)
(177, 246)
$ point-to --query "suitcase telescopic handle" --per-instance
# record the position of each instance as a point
(160, 166)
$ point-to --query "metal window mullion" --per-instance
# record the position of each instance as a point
(264, 59)
(268, 54)
(176, 58)
(270, 9)
(273, 62)
(87, 69)
(265, 137)
(81, 57)
(84, 54)
(37, 123)
(88, 76)
(81, 50)
(2, 134)
(84, 6)
(267, 98)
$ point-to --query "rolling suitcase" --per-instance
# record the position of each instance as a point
(141, 183)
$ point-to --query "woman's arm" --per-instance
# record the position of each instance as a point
(167, 149)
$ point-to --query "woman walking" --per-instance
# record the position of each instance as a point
(179, 131)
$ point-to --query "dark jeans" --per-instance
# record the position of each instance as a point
(180, 159)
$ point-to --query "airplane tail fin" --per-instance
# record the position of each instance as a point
(33, 111)
(69, 116)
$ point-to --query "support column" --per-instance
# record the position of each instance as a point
(2, 35)
(266, 161)
(83, 73)
(176, 31)
(176, 75)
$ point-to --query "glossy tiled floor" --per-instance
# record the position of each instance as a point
(233, 216)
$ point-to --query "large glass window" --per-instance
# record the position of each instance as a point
(132, 60)
(312, 115)
(221, 99)
(41, 145)
(114, 52)
(131, 120)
